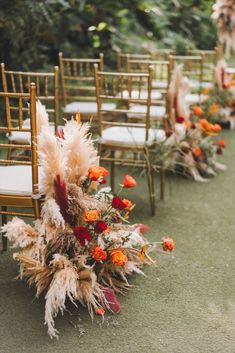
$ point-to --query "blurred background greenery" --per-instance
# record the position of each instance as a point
(32, 32)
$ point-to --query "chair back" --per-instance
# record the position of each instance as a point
(121, 59)
(192, 68)
(210, 59)
(12, 120)
(46, 83)
(118, 87)
(160, 54)
(77, 78)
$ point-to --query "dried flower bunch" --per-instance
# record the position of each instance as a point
(189, 146)
(83, 247)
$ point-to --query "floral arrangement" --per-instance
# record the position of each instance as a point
(189, 145)
(83, 247)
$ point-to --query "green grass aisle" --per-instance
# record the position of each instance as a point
(186, 304)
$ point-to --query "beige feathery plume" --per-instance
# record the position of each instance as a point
(63, 284)
(20, 233)
(42, 117)
(51, 215)
(52, 161)
(79, 150)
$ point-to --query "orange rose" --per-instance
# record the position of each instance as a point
(197, 110)
(129, 182)
(104, 171)
(97, 172)
(99, 254)
(222, 143)
(92, 216)
(100, 311)
(118, 257)
(129, 204)
(197, 151)
(214, 108)
(217, 128)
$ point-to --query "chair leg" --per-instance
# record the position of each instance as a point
(4, 221)
(150, 179)
(112, 171)
(162, 183)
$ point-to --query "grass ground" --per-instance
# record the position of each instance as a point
(184, 304)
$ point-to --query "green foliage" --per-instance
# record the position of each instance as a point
(32, 32)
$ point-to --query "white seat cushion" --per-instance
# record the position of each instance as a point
(159, 84)
(23, 137)
(16, 180)
(138, 111)
(86, 107)
(195, 98)
(193, 84)
(230, 70)
(143, 94)
(131, 136)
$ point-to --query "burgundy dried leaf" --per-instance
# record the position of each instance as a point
(113, 302)
(61, 197)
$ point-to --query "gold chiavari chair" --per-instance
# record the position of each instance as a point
(18, 179)
(160, 54)
(46, 91)
(192, 69)
(160, 85)
(131, 139)
(78, 86)
(210, 59)
(47, 88)
(121, 59)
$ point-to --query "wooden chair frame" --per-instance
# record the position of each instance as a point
(11, 200)
(78, 70)
(121, 59)
(19, 82)
(110, 86)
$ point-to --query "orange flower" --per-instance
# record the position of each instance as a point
(92, 216)
(118, 257)
(206, 91)
(214, 108)
(222, 143)
(197, 110)
(99, 254)
(227, 85)
(142, 253)
(100, 311)
(96, 172)
(129, 204)
(78, 117)
(217, 128)
(197, 151)
(168, 244)
(129, 182)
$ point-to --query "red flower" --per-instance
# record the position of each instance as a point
(101, 227)
(82, 234)
(129, 182)
(222, 144)
(99, 254)
(118, 203)
(103, 181)
(219, 151)
(193, 126)
(180, 120)
(100, 311)
(168, 244)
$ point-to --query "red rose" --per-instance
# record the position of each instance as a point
(219, 150)
(101, 227)
(180, 120)
(118, 203)
(168, 244)
(82, 235)
(193, 126)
